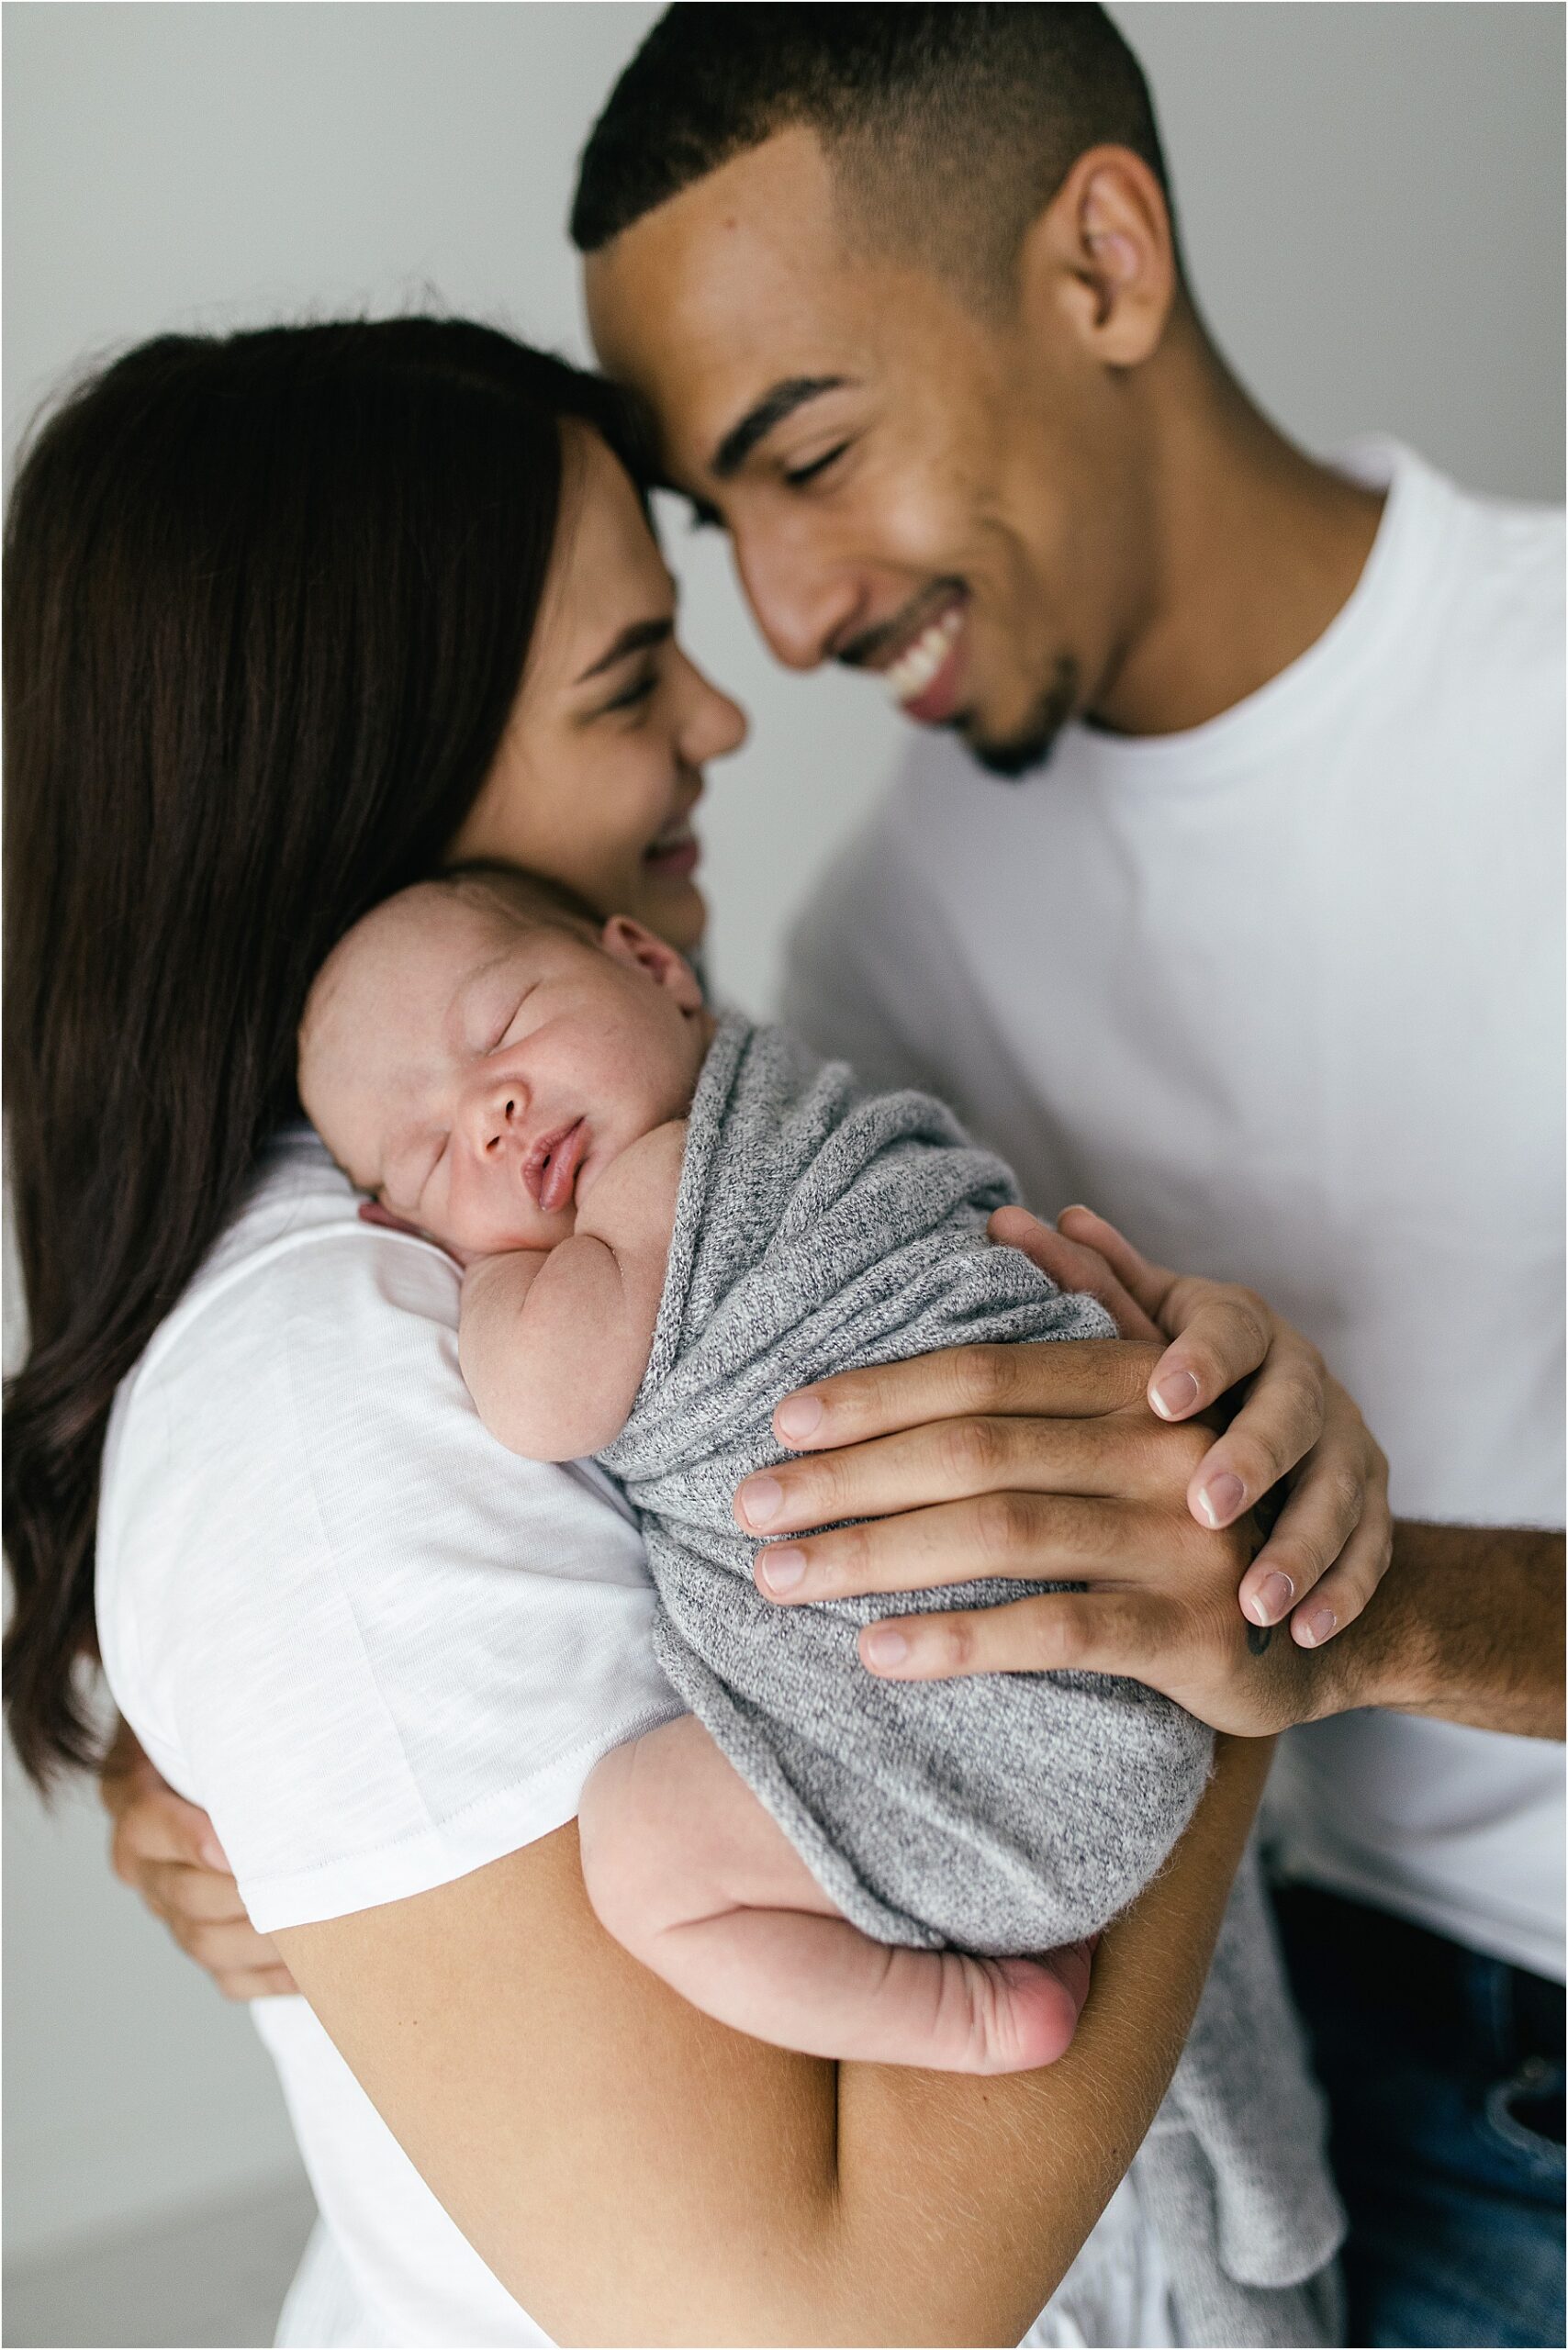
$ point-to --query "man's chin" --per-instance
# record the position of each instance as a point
(1029, 747)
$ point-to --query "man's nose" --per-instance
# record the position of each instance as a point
(805, 602)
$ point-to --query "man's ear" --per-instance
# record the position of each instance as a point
(631, 944)
(1102, 256)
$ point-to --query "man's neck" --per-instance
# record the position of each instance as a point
(1258, 548)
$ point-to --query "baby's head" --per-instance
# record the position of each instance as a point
(477, 1050)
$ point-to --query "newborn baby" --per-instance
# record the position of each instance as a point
(666, 1225)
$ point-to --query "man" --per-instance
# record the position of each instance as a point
(1260, 950)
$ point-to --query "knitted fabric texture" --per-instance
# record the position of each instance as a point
(820, 1227)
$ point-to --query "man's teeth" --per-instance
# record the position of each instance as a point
(674, 836)
(912, 671)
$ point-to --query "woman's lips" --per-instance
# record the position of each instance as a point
(675, 853)
(551, 1171)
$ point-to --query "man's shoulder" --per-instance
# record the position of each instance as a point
(1492, 571)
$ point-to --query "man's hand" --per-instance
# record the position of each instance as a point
(1090, 1463)
(165, 1850)
(1297, 1440)
(1038, 1462)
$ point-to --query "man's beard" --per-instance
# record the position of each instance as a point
(1019, 753)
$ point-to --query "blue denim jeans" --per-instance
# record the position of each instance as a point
(1444, 2077)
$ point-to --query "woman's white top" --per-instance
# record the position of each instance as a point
(381, 1651)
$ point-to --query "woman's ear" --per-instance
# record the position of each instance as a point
(629, 942)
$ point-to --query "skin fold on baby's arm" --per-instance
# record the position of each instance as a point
(554, 1343)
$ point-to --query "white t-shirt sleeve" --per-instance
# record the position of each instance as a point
(375, 1647)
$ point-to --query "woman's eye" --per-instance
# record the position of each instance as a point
(801, 475)
(640, 692)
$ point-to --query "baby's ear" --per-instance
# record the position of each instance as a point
(629, 942)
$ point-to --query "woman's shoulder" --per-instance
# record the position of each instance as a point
(337, 1613)
(297, 1241)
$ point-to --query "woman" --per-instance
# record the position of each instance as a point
(292, 618)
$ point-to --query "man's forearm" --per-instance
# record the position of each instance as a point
(1467, 1625)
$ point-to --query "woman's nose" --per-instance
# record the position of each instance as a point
(712, 725)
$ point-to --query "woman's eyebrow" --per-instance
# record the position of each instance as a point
(634, 639)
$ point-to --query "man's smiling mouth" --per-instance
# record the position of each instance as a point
(919, 655)
(913, 678)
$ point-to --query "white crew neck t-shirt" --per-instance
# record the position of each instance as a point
(1282, 997)
(381, 1651)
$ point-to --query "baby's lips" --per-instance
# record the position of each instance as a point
(557, 1168)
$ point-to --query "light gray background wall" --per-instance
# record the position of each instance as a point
(1371, 199)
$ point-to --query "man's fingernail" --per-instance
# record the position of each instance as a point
(885, 1644)
(761, 1499)
(1270, 1601)
(1221, 1498)
(799, 1418)
(1317, 1625)
(781, 1570)
(1175, 1396)
(215, 1857)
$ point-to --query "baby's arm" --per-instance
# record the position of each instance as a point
(554, 1343)
(688, 1872)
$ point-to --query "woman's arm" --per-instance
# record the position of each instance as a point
(168, 1851)
(634, 2173)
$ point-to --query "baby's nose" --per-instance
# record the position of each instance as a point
(502, 1113)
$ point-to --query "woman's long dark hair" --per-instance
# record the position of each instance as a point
(268, 602)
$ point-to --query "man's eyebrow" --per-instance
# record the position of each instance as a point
(769, 412)
(634, 639)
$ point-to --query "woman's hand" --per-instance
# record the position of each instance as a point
(1058, 1464)
(165, 1850)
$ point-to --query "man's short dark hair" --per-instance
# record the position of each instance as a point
(949, 129)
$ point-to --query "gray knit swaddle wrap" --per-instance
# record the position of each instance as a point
(819, 1227)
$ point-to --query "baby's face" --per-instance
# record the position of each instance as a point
(477, 1072)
